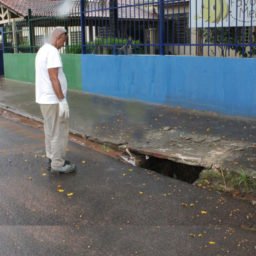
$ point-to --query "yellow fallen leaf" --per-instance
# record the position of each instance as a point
(208, 129)
(124, 174)
(141, 193)
(203, 212)
(30, 178)
(67, 149)
(25, 160)
(192, 235)
(60, 190)
(70, 194)
(184, 204)
(36, 155)
(130, 170)
(212, 243)
(44, 174)
(192, 205)
(200, 235)
(83, 162)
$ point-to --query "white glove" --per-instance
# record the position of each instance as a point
(63, 109)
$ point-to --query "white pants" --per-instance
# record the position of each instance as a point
(56, 132)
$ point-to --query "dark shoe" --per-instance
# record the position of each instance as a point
(49, 165)
(66, 168)
(50, 162)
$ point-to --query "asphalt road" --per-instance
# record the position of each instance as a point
(108, 207)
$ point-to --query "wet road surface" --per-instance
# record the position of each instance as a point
(108, 207)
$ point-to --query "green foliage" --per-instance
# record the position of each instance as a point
(230, 38)
(108, 46)
(241, 179)
(22, 48)
(105, 147)
(228, 181)
(74, 49)
(210, 175)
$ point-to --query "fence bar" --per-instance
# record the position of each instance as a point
(3, 39)
(161, 26)
(31, 31)
(82, 18)
(215, 28)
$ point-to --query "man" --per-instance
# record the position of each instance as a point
(51, 90)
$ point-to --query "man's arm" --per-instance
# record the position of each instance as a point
(63, 104)
(53, 73)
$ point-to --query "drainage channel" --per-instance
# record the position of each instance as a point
(183, 172)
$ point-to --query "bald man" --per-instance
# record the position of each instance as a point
(51, 91)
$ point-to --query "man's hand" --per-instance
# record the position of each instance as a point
(63, 109)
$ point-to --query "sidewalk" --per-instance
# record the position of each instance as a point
(196, 138)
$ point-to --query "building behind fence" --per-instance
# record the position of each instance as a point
(167, 27)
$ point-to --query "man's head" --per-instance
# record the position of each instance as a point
(58, 37)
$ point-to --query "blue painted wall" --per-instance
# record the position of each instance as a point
(221, 85)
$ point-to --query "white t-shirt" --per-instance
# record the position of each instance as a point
(48, 57)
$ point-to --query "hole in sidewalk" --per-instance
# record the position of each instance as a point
(184, 172)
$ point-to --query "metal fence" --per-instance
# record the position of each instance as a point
(167, 27)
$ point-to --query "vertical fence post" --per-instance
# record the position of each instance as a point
(82, 18)
(161, 26)
(2, 52)
(113, 17)
(3, 37)
(14, 37)
(31, 31)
